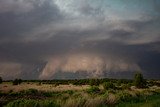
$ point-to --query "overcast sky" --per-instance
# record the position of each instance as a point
(50, 39)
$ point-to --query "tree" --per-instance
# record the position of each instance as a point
(1, 80)
(17, 81)
(139, 82)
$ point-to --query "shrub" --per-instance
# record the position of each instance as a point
(95, 82)
(0, 80)
(14, 94)
(17, 81)
(70, 92)
(93, 89)
(125, 86)
(139, 82)
(119, 82)
(108, 85)
(51, 94)
(57, 84)
(31, 92)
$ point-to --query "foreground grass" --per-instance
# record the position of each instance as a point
(108, 94)
(150, 101)
(91, 97)
(32, 103)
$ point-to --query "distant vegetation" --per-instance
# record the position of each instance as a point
(95, 82)
(17, 81)
(138, 81)
(92, 82)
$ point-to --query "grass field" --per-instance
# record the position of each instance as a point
(6, 87)
(35, 94)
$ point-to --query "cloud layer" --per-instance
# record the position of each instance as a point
(47, 39)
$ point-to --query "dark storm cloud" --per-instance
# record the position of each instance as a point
(17, 19)
(156, 5)
(16, 25)
(86, 9)
(136, 31)
(35, 52)
(42, 35)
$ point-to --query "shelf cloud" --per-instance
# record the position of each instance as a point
(48, 39)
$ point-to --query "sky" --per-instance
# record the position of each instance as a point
(72, 39)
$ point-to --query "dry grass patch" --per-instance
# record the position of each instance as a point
(5, 87)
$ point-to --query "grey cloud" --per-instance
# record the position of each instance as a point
(44, 37)
(16, 26)
(16, 6)
(118, 59)
(156, 6)
(86, 9)
(10, 70)
(68, 41)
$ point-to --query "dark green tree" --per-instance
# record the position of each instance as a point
(139, 81)
(17, 81)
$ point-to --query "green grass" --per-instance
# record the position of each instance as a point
(85, 99)
(111, 95)
(93, 90)
(149, 101)
(32, 103)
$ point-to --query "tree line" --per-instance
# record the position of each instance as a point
(138, 81)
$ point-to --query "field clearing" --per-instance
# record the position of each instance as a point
(6, 87)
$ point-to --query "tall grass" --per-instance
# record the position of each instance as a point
(92, 97)
(149, 101)
(32, 103)
(120, 99)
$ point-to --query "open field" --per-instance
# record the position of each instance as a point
(67, 94)
(6, 87)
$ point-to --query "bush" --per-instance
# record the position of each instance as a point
(123, 96)
(31, 92)
(15, 94)
(108, 85)
(119, 82)
(139, 82)
(93, 89)
(125, 86)
(95, 82)
(126, 97)
(17, 81)
(0, 80)
(51, 94)
(70, 92)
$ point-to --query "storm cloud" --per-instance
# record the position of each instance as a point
(48, 39)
